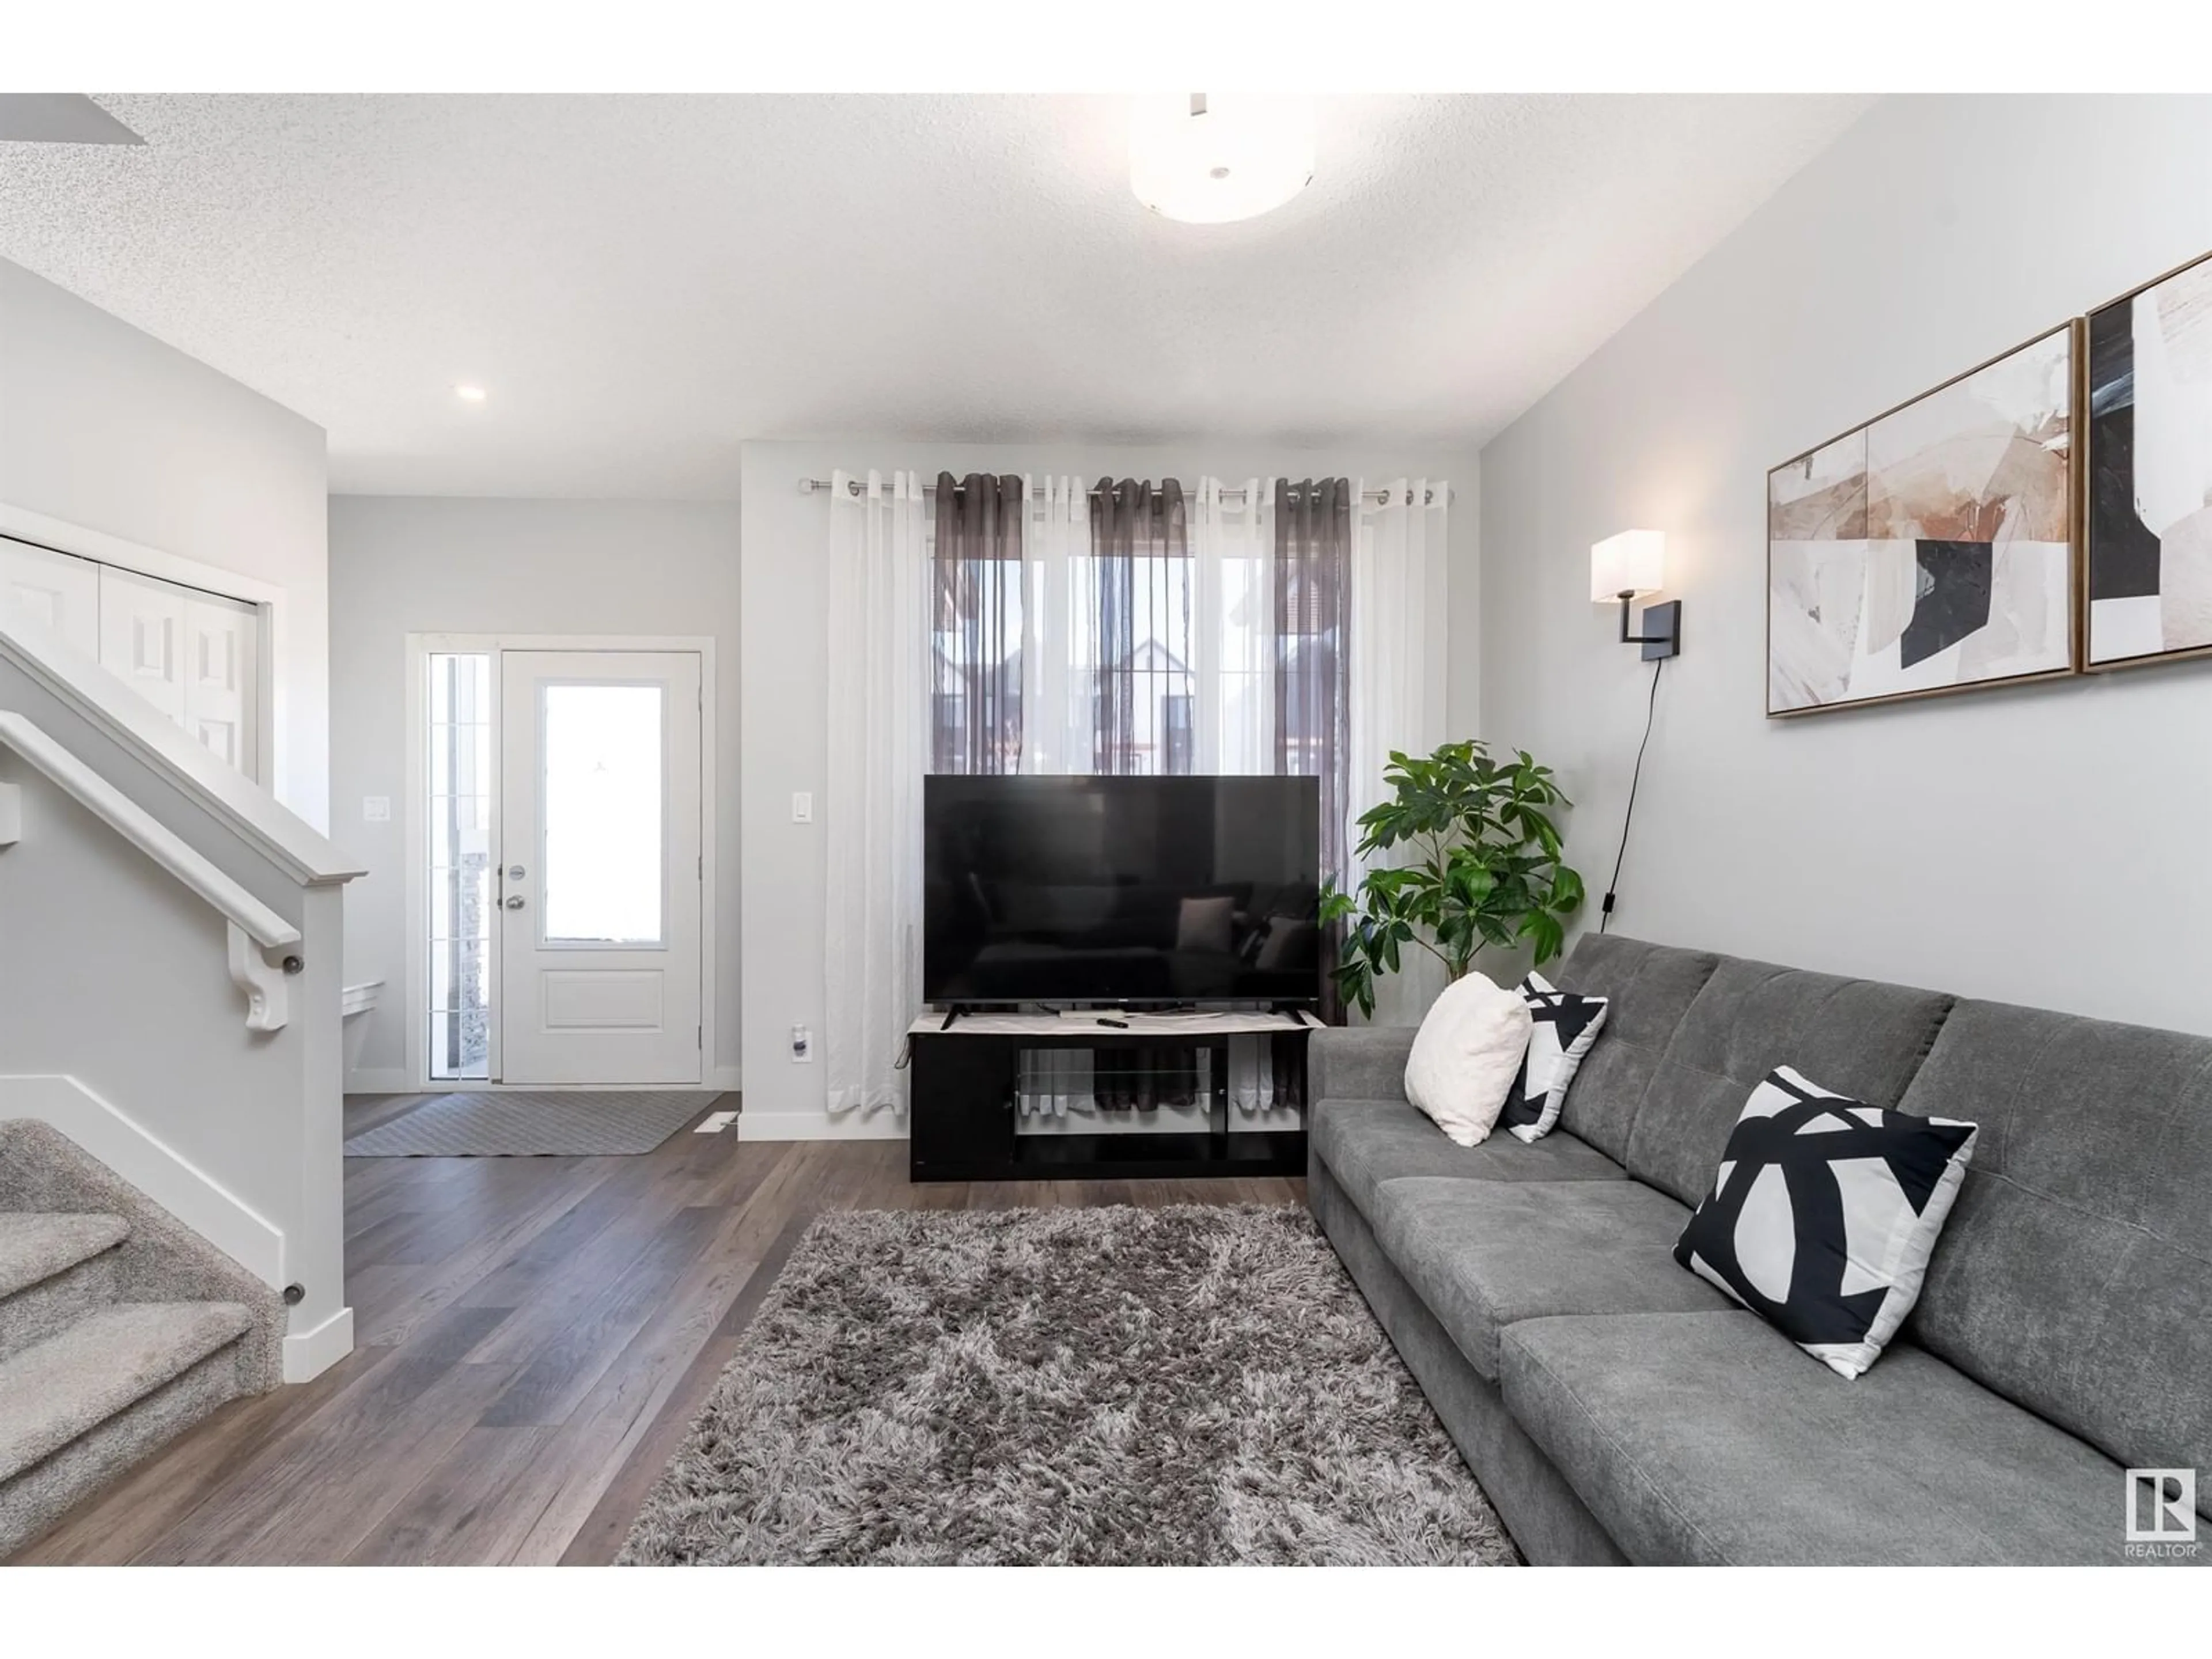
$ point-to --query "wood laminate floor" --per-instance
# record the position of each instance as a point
(534, 1335)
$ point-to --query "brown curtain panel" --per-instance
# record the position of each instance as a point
(1313, 590)
(976, 678)
(1141, 698)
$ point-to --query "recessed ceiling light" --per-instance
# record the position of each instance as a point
(1211, 157)
(470, 394)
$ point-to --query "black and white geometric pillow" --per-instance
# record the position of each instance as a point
(1565, 1027)
(1824, 1215)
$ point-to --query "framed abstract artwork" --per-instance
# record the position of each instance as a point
(1931, 549)
(2147, 572)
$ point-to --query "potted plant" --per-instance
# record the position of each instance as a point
(1480, 866)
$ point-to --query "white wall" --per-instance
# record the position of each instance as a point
(402, 565)
(2043, 844)
(106, 428)
(787, 663)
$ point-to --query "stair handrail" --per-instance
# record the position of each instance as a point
(120, 713)
(254, 927)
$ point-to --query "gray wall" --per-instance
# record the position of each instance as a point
(107, 428)
(2043, 844)
(787, 664)
(402, 565)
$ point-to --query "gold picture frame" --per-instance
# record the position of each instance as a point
(1995, 605)
(2116, 536)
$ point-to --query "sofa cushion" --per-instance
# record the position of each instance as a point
(1486, 1254)
(1858, 1037)
(1646, 988)
(1365, 1143)
(2075, 1271)
(1707, 1439)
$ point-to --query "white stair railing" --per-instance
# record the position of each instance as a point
(254, 928)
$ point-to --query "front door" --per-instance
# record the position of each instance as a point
(598, 878)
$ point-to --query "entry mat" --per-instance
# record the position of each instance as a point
(555, 1124)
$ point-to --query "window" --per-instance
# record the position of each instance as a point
(1309, 721)
(603, 852)
(975, 667)
(949, 711)
(1143, 644)
(1175, 732)
(1154, 630)
(459, 840)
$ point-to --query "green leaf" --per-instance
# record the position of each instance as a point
(1545, 932)
(1470, 882)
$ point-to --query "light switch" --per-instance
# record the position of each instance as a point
(802, 807)
(376, 809)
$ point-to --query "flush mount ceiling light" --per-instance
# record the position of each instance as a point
(468, 394)
(1208, 158)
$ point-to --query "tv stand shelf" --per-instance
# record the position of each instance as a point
(965, 1116)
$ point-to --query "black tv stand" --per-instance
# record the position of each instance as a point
(966, 1078)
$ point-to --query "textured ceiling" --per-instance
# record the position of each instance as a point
(643, 282)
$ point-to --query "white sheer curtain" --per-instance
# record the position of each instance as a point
(878, 644)
(1059, 660)
(1233, 652)
(1397, 672)
(1060, 635)
(1229, 644)
(1233, 628)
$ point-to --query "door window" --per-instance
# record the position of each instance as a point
(603, 801)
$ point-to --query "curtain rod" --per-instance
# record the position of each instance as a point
(1379, 497)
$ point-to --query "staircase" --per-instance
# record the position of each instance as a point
(118, 1328)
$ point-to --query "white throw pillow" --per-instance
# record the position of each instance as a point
(1465, 1056)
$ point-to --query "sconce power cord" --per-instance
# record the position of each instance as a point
(1650, 707)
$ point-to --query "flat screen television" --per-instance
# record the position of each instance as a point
(1138, 891)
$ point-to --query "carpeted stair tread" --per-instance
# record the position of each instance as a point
(71, 1383)
(33, 1247)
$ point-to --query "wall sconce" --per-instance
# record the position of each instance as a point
(1627, 566)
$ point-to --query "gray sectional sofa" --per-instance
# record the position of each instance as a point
(1617, 1408)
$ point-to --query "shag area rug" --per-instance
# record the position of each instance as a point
(554, 1124)
(1184, 1386)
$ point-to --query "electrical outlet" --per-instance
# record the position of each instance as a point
(802, 807)
(376, 809)
(802, 1046)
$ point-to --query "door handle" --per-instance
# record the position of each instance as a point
(514, 902)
